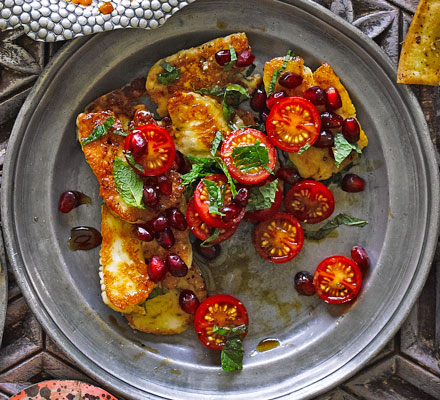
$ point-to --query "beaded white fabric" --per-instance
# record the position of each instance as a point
(53, 20)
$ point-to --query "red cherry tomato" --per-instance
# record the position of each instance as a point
(223, 311)
(337, 280)
(261, 215)
(310, 201)
(201, 202)
(236, 165)
(279, 239)
(202, 230)
(158, 155)
(292, 123)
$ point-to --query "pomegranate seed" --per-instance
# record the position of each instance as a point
(166, 238)
(159, 223)
(315, 95)
(176, 265)
(263, 115)
(223, 57)
(242, 197)
(333, 99)
(325, 139)
(288, 175)
(360, 257)
(231, 211)
(352, 183)
(258, 101)
(208, 252)
(290, 80)
(244, 59)
(150, 197)
(68, 201)
(142, 117)
(180, 162)
(144, 232)
(331, 120)
(304, 283)
(156, 269)
(176, 219)
(274, 98)
(351, 130)
(188, 301)
(136, 143)
(165, 186)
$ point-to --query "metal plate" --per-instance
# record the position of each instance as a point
(3, 287)
(321, 345)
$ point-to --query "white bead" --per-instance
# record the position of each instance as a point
(6, 13)
(158, 14)
(64, 13)
(43, 22)
(58, 29)
(14, 20)
(124, 21)
(50, 37)
(76, 28)
(68, 34)
(134, 22)
(153, 24)
(129, 13)
(91, 20)
(82, 20)
(55, 17)
(25, 18)
(148, 14)
(2, 24)
(143, 24)
(45, 11)
(108, 26)
(116, 19)
(97, 28)
(155, 5)
(87, 30)
(42, 33)
(9, 3)
(66, 23)
(146, 4)
(17, 10)
(34, 26)
(139, 12)
(166, 8)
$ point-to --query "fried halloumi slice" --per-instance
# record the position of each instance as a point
(163, 314)
(199, 70)
(419, 61)
(123, 272)
(317, 163)
(195, 121)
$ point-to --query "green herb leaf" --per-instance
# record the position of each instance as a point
(216, 142)
(120, 133)
(172, 74)
(131, 160)
(230, 332)
(212, 237)
(250, 70)
(216, 197)
(228, 111)
(214, 91)
(98, 131)
(248, 157)
(304, 148)
(236, 94)
(231, 63)
(262, 197)
(340, 219)
(225, 170)
(157, 291)
(128, 184)
(232, 355)
(278, 72)
(343, 148)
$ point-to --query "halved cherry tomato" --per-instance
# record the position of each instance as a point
(223, 311)
(159, 154)
(310, 201)
(241, 138)
(337, 280)
(279, 239)
(292, 123)
(201, 202)
(261, 215)
(202, 230)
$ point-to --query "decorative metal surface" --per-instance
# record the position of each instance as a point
(54, 20)
(407, 368)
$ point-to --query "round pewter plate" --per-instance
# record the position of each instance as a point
(321, 345)
(3, 287)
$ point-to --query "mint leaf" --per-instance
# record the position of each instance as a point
(120, 133)
(228, 111)
(250, 70)
(343, 148)
(216, 142)
(225, 170)
(304, 148)
(214, 91)
(230, 332)
(232, 355)
(216, 197)
(131, 160)
(172, 74)
(128, 184)
(236, 93)
(157, 291)
(249, 157)
(211, 238)
(98, 131)
(278, 72)
(262, 197)
(340, 219)
(231, 63)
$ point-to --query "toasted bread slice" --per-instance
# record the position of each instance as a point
(198, 70)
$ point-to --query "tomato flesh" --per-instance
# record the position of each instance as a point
(310, 201)
(201, 202)
(219, 310)
(279, 239)
(337, 279)
(203, 231)
(261, 215)
(241, 138)
(292, 123)
(159, 154)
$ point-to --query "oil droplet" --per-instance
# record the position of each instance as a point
(267, 344)
(113, 321)
(137, 356)
(150, 349)
(165, 362)
(84, 238)
(221, 25)
(36, 219)
(390, 214)
(175, 371)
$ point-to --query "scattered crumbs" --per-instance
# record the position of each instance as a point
(175, 371)
(137, 356)
(390, 214)
(221, 25)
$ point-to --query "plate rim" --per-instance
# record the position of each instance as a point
(371, 349)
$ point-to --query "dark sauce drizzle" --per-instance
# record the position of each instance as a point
(84, 238)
